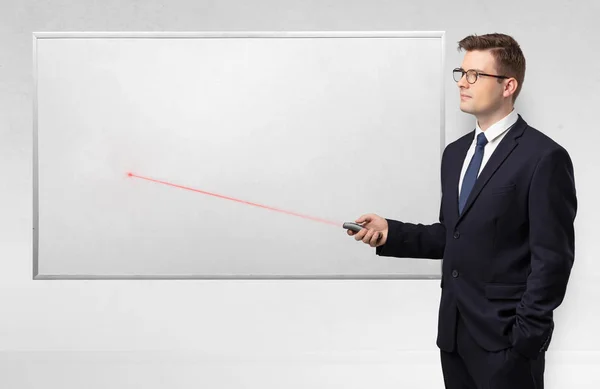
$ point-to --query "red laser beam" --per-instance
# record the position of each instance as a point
(129, 174)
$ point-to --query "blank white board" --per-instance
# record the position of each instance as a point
(249, 150)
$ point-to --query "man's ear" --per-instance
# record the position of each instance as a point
(510, 87)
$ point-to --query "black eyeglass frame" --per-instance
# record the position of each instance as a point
(477, 74)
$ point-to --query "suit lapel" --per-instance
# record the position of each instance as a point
(506, 146)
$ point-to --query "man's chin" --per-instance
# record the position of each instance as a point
(466, 108)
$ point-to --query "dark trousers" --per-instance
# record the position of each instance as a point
(471, 367)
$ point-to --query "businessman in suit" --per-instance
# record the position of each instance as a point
(505, 230)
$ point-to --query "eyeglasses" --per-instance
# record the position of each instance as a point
(472, 75)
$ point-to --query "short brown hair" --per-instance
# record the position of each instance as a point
(506, 51)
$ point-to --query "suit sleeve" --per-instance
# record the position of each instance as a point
(408, 240)
(552, 209)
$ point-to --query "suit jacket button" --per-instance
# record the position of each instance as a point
(454, 273)
(456, 234)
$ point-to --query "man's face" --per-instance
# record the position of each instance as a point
(485, 95)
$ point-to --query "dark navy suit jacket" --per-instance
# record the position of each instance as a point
(507, 258)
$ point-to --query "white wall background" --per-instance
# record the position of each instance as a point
(273, 334)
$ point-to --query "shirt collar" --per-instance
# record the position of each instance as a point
(498, 128)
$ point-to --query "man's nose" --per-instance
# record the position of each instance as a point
(462, 83)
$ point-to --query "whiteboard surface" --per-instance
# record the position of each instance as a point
(328, 125)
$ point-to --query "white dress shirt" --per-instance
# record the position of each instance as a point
(494, 135)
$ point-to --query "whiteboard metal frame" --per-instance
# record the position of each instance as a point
(218, 35)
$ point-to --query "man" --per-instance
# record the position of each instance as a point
(505, 230)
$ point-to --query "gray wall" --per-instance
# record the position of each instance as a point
(318, 334)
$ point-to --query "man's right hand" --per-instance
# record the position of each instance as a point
(375, 232)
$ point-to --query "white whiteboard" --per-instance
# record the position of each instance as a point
(327, 125)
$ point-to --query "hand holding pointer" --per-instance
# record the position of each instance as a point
(370, 228)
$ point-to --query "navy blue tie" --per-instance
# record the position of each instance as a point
(472, 172)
